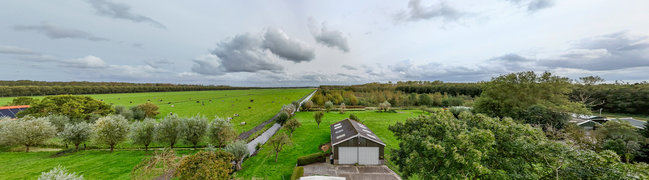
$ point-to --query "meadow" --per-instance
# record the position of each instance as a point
(307, 138)
(253, 106)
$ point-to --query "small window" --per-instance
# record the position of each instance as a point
(372, 136)
(339, 131)
(336, 127)
(366, 131)
(341, 136)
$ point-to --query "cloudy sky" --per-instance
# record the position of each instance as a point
(296, 43)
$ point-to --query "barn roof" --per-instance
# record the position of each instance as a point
(344, 130)
(11, 111)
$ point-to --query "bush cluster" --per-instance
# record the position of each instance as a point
(312, 158)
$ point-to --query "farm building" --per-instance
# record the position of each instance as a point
(11, 111)
(352, 142)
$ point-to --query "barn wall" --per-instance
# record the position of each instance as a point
(354, 142)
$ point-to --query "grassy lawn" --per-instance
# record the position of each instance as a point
(92, 164)
(307, 138)
(224, 103)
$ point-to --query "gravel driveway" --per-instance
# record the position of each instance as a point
(351, 172)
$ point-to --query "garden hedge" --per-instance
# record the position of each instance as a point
(297, 173)
(312, 158)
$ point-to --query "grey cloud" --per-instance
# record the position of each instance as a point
(208, 65)
(16, 50)
(606, 52)
(328, 37)
(88, 62)
(511, 58)
(416, 12)
(158, 63)
(55, 32)
(121, 11)
(244, 53)
(437, 71)
(290, 49)
(348, 67)
(534, 5)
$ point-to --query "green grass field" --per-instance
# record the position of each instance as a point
(92, 164)
(308, 137)
(224, 103)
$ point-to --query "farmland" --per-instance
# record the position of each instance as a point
(225, 103)
(308, 137)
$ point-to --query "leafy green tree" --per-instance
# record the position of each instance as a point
(329, 105)
(205, 165)
(27, 131)
(150, 109)
(585, 89)
(195, 129)
(143, 132)
(74, 107)
(425, 100)
(307, 105)
(76, 133)
(510, 95)
(22, 101)
(123, 111)
(437, 99)
(282, 117)
(170, 129)
(620, 137)
(318, 117)
(292, 125)
(59, 121)
(278, 142)
(111, 130)
(221, 132)
(541, 115)
(240, 150)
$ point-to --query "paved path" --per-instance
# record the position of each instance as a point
(351, 172)
(263, 138)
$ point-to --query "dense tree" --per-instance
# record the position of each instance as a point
(150, 109)
(205, 165)
(282, 117)
(111, 130)
(169, 130)
(240, 150)
(194, 129)
(306, 106)
(620, 137)
(143, 132)
(510, 95)
(318, 117)
(59, 121)
(221, 132)
(425, 100)
(76, 133)
(278, 142)
(584, 91)
(74, 107)
(27, 131)
(541, 115)
(291, 126)
(329, 105)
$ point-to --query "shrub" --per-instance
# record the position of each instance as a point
(59, 173)
(205, 165)
(307, 105)
(329, 105)
(240, 150)
(169, 130)
(354, 117)
(143, 132)
(111, 130)
(289, 108)
(456, 110)
(76, 133)
(312, 158)
(22, 101)
(194, 129)
(385, 106)
(297, 173)
(220, 132)
(150, 109)
(138, 114)
(282, 117)
(453, 101)
(27, 131)
(126, 112)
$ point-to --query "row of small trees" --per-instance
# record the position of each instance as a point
(114, 129)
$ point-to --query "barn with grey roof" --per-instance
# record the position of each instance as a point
(354, 143)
